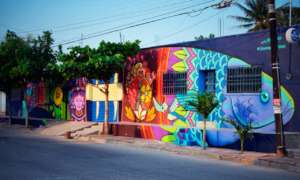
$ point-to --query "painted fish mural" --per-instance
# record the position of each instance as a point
(164, 117)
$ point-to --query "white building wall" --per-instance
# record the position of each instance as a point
(2, 103)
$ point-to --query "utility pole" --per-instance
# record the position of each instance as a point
(280, 145)
(290, 13)
(289, 74)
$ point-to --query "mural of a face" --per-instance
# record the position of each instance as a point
(78, 104)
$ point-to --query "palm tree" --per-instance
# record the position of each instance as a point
(203, 103)
(243, 132)
(255, 15)
(283, 12)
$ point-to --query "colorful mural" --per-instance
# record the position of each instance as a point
(58, 107)
(144, 101)
(77, 104)
(96, 100)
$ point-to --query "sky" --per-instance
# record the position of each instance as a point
(78, 19)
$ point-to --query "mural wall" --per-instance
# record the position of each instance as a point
(96, 100)
(144, 101)
(77, 101)
(58, 106)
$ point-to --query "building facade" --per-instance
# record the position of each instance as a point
(237, 69)
(151, 100)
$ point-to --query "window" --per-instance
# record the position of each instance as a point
(244, 80)
(174, 83)
(210, 81)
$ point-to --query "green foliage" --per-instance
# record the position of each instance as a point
(201, 37)
(24, 60)
(203, 103)
(33, 59)
(283, 15)
(96, 63)
(244, 132)
(255, 15)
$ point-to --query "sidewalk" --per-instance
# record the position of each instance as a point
(269, 160)
(246, 158)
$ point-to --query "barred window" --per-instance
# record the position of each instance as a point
(210, 81)
(174, 83)
(244, 80)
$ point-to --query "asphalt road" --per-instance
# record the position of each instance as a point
(23, 158)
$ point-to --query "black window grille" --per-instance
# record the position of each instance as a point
(244, 80)
(210, 81)
(174, 83)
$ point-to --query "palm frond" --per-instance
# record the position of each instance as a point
(242, 19)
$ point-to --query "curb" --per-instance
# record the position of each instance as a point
(247, 158)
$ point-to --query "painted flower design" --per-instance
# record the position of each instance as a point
(146, 93)
(140, 114)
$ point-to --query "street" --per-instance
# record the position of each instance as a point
(37, 158)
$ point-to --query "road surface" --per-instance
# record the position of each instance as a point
(34, 158)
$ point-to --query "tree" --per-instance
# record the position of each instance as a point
(14, 54)
(256, 15)
(283, 16)
(203, 103)
(98, 63)
(244, 132)
(201, 37)
(112, 61)
(24, 60)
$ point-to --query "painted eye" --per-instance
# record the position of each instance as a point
(264, 97)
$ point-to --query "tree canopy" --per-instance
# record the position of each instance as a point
(31, 59)
(24, 59)
(96, 63)
(201, 37)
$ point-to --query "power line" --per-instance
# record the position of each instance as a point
(134, 24)
(83, 24)
(166, 13)
(189, 27)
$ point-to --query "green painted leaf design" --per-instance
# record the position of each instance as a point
(170, 129)
(179, 67)
(179, 123)
(168, 138)
(181, 111)
(180, 54)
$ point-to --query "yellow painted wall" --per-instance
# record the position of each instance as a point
(93, 92)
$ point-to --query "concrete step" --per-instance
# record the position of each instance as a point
(294, 153)
(87, 131)
(60, 128)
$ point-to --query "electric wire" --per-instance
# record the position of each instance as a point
(134, 24)
(189, 27)
(110, 19)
